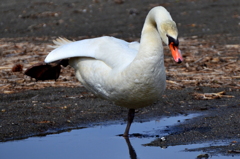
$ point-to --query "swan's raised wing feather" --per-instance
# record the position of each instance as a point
(110, 50)
(64, 50)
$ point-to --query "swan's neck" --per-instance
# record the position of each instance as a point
(151, 48)
(148, 65)
(149, 62)
(152, 34)
(150, 43)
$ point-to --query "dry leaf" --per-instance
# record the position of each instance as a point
(208, 96)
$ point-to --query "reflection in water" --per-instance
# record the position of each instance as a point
(88, 144)
(132, 152)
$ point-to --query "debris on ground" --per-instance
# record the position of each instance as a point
(205, 64)
(208, 96)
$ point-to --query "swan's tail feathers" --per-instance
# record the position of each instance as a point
(59, 42)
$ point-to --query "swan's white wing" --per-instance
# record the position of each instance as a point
(114, 52)
(66, 49)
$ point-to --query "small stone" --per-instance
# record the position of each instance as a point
(163, 138)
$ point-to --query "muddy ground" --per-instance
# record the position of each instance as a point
(209, 34)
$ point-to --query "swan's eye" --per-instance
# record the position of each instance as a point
(172, 40)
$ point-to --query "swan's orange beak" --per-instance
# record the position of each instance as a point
(176, 53)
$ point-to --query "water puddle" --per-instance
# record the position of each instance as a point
(101, 142)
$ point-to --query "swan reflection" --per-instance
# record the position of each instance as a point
(132, 152)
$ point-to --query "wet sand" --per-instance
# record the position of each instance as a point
(55, 109)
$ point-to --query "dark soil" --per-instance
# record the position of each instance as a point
(71, 18)
(52, 110)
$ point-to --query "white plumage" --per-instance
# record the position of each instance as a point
(132, 74)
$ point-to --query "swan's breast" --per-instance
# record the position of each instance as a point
(137, 89)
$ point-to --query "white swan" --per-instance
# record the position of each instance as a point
(131, 75)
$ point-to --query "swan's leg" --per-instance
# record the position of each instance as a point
(131, 113)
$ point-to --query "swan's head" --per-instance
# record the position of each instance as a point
(169, 34)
